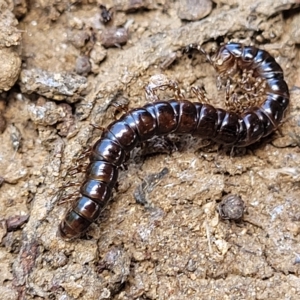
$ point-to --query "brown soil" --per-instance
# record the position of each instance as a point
(176, 246)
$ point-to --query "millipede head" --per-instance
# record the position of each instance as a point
(223, 61)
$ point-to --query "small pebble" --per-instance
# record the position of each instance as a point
(10, 68)
(79, 39)
(57, 86)
(15, 222)
(132, 5)
(193, 10)
(114, 37)
(83, 65)
(232, 207)
(2, 123)
(106, 14)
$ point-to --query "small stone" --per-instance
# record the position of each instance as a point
(295, 29)
(293, 227)
(222, 246)
(15, 222)
(83, 66)
(232, 207)
(114, 37)
(98, 54)
(10, 35)
(58, 86)
(48, 113)
(79, 39)
(193, 10)
(132, 5)
(10, 68)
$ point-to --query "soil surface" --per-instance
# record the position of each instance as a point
(67, 65)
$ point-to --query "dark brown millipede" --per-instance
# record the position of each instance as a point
(180, 116)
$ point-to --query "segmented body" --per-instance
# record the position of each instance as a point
(179, 117)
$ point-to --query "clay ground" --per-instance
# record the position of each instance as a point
(176, 246)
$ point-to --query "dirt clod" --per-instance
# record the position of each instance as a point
(83, 66)
(57, 86)
(193, 10)
(10, 68)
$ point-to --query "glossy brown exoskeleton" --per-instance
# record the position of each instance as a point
(180, 116)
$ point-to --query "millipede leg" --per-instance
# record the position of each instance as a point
(62, 197)
(200, 93)
(68, 198)
(118, 110)
(161, 82)
(98, 127)
(120, 105)
(232, 101)
(77, 169)
(227, 93)
(79, 165)
(200, 49)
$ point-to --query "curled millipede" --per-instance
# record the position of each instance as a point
(180, 116)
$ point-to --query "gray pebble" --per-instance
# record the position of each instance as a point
(193, 10)
(232, 207)
(83, 65)
(57, 86)
(114, 37)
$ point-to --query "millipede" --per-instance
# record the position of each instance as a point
(180, 116)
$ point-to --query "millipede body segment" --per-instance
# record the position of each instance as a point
(179, 116)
